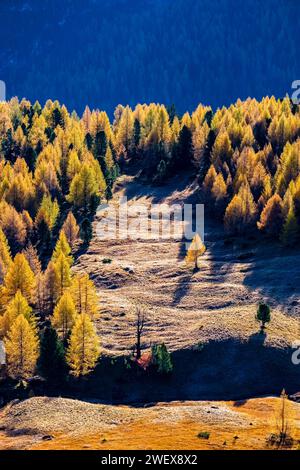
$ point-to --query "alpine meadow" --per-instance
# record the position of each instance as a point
(149, 251)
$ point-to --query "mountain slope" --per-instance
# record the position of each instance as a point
(215, 307)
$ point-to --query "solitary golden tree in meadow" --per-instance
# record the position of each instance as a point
(196, 249)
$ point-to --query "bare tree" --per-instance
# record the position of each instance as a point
(283, 436)
(283, 424)
(139, 325)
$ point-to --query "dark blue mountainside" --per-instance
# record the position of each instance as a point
(105, 52)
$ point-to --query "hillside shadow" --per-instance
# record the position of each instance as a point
(228, 370)
(275, 273)
(258, 338)
(135, 189)
(222, 371)
(271, 271)
(240, 403)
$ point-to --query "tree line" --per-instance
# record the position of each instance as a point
(52, 178)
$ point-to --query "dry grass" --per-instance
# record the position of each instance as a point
(223, 296)
(80, 425)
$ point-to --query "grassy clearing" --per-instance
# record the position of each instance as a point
(228, 425)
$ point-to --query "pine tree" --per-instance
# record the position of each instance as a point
(124, 136)
(222, 150)
(64, 315)
(161, 359)
(73, 166)
(41, 299)
(19, 277)
(71, 230)
(196, 249)
(99, 150)
(136, 133)
(263, 315)
(62, 247)
(52, 364)
(199, 143)
(86, 231)
(183, 156)
(22, 349)
(241, 212)
(83, 351)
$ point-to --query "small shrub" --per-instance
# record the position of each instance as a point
(263, 315)
(161, 358)
(280, 440)
(107, 261)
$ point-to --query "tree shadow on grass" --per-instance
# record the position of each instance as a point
(182, 288)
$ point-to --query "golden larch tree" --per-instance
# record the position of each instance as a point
(5, 256)
(272, 219)
(196, 249)
(48, 286)
(19, 277)
(18, 305)
(83, 187)
(71, 229)
(22, 349)
(62, 275)
(62, 247)
(84, 294)
(64, 315)
(33, 259)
